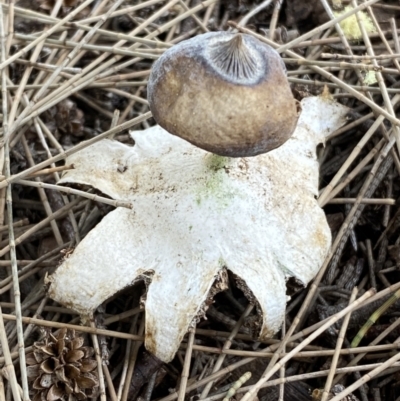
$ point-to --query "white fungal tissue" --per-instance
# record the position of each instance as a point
(195, 215)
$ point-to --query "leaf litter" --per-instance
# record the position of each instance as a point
(358, 190)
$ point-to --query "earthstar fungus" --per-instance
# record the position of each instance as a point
(223, 92)
(194, 216)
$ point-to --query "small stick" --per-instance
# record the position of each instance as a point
(110, 384)
(186, 366)
(337, 56)
(236, 386)
(96, 347)
(51, 170)
(9, 367)
(378, 171)
(282, 369)
(338, 347)
(39, 125)
(10, 27)
(19, 223)
(150, 387)
(81, 329)
(387, 7)
(108, 34)
(70, 44)
(53, 141)
(128, 95)
(72, 191)
(12, 247)
(130, 75)
(274, 18)
(56, 309)
(208, 13)
(371, 264)
(329, 85)
(2, 393)
(353, 124)
(127, 353)
(335, 40)
(114, 121)
(133, 359)
(341, 65)
(49, 67)
(21, 278)
(123, 11)
(395, 37)
(374, 317)
(299, 355)
(365, 201)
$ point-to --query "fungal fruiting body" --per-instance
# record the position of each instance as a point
(194, 216)
(224, 92)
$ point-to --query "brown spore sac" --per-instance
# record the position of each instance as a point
(224, 92)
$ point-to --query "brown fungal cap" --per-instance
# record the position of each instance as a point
(226, 93)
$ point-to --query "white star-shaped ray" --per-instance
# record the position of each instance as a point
(195, 214)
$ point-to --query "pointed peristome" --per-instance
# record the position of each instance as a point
(235, 59)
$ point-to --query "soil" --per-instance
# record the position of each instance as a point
(104, 87)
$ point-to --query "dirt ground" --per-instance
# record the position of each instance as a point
(73, 70)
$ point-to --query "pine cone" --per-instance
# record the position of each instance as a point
(61, 368)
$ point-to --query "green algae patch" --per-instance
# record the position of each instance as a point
(215, 185)
(221, 263)
(215, 162)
